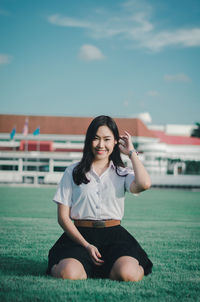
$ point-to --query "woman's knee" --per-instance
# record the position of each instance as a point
(69, 273)
(70, 269)
(127, 269)
(131, 274)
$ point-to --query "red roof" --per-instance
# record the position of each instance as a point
(68, 124)
(175, 139)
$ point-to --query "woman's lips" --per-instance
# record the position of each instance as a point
(100, 151)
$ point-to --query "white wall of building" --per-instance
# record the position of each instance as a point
(49, 166)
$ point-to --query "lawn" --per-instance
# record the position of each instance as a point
(165, 222)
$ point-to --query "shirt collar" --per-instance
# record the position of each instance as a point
(111, 165)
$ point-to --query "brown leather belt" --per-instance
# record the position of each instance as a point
(96, 223)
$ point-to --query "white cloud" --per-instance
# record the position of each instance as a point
(180, 37)
(179, 77)
(153, 93)
(90, 53)
(67, 22)
(131, 22)
(145, 117)
(5, 59)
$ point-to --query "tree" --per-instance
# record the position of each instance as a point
(196, 131)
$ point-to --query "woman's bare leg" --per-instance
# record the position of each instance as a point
(127, 269)
(69, 268)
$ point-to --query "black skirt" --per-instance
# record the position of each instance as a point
(112, 243)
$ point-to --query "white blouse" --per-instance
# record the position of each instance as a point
(102, 198)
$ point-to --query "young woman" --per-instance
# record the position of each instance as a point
(91, 193)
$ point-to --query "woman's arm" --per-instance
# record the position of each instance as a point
(68, 226)
(142, 179)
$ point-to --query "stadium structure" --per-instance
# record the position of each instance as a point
(35, 150)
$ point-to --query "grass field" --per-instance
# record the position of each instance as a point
(165, 222)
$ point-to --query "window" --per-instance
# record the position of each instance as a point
(8, 168)
(59, 169)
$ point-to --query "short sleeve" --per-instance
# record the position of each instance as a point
(129, 178)
(64, 192)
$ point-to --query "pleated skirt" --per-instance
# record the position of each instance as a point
(112, 243)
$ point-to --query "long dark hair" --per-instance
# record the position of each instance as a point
(79, 172)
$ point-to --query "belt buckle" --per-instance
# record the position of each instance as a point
(98, 224)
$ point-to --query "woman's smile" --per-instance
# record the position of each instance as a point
(103, 143)
(100, 151)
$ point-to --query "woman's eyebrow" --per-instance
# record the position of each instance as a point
(103, 136)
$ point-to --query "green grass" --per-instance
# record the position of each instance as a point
(165, 222)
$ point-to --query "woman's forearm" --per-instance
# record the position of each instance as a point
(68, 226)
(71, 230)
(142, 179)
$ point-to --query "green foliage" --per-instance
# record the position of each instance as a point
(165, 222)
(192, 167)
(196, 131)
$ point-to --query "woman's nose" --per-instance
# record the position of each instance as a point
(101, 143)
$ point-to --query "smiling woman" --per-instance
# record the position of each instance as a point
(103, 144)
(91, 193)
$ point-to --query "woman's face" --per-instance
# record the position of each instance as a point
(103, 143)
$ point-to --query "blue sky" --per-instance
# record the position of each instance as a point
(89, 57)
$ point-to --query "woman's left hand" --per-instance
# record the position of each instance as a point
(125, 143)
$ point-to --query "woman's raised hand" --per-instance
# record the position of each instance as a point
(125, 143)
(94, 254)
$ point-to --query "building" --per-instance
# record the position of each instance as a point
(42, 158)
